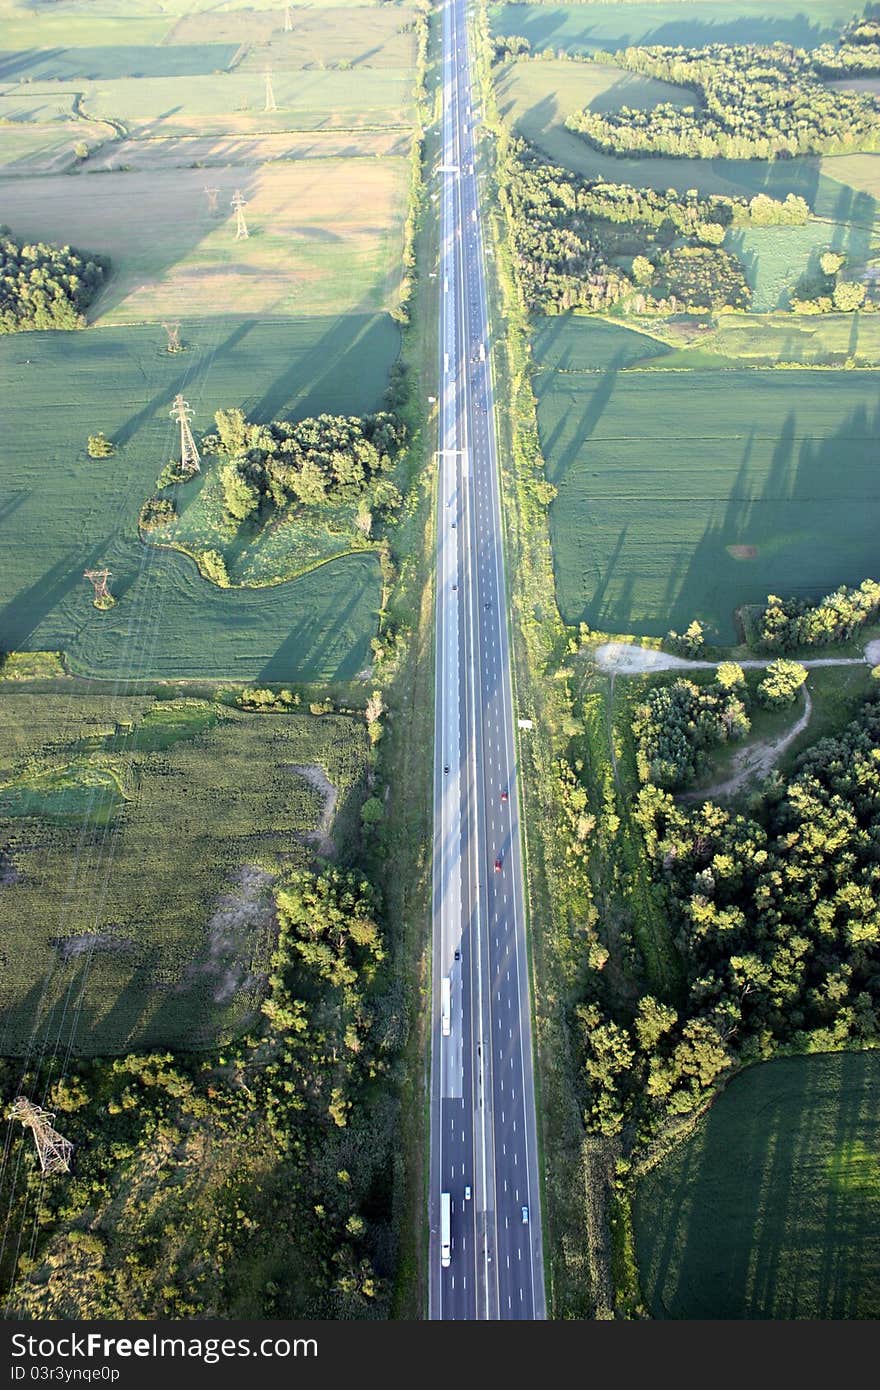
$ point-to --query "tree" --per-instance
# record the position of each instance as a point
(240, 498)
(372, 811)
(730, 675)
(653, 1021)
(781, 684)
(848, 295)
(643, 270)
(99, 446)
(831, 262)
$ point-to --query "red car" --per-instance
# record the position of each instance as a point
(504, 796)
(498, 866)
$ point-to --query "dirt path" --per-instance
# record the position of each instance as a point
(755, 761)
(629, 659)
(317, 777)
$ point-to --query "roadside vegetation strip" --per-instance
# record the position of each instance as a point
(246, 805)
(771, 1209)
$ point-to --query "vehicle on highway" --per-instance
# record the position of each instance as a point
(525, 1215)
(467, 1194)
(445, 1232)
(445, 767)
(458, 955)
(504, 796)
(498, 865)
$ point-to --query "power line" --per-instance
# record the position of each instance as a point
(173, 331)
(212, 198)
(239, 203)
(54, 1151)
(101, 581)
(189, 454)
(271, 104)
(288, 22)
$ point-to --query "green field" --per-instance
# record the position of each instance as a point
(109, 933)
(660, 474)
(114, 61)
(63, 512)
(772, 1208)
(536, 97)
(583, 28)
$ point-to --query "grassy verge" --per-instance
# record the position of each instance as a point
(405, 651)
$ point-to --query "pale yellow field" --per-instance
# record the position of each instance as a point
(325, 236)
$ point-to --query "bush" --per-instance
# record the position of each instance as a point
(781, 683)
(99, 446)
(213, 567)
(156, 513)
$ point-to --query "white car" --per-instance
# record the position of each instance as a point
(467, 1194)
(525, 1215)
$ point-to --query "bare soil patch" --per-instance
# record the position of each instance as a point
(317, 778)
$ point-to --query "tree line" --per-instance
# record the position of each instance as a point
(786, 624)
(44, 286)
(757, 102)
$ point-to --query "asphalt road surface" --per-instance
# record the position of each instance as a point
(483, 1134)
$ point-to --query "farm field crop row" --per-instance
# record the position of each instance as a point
(178, 152)
(324, 236)
(678, 500)
(145, 921)
(772, 1208)
(585, 27)
(63, 512)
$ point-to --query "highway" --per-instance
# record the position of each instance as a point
(483, 1128)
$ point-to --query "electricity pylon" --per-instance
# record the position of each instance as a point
(173, 331)
(100, 579)
(239, 203)
(288, 22)
(271, 104)
(212, 198)
(53, 1150)
(189, 454)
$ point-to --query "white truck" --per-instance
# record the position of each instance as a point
(445, 1236)
(445, 1006)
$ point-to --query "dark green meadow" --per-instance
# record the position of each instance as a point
(772, 1208)
(583, 28)
(688, 494)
